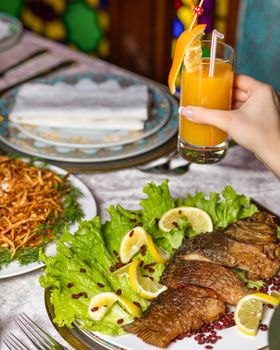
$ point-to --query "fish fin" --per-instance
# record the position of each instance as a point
(151, 336)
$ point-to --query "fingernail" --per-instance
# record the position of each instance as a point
(187, 112)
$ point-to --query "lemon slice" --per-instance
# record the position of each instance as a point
(199, 220)
(159, 254)
(101, 303)
(134, 310)
(131, 243)
(248, 312)
(275, 294)
(123, 270)
(144, 286)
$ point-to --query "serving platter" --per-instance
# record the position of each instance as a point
(231, 338)
(89, 207)
(80, 339)
(167, 118)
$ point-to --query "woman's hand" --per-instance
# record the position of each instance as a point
(254, 121)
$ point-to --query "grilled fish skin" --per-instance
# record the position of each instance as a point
(222, 281)
(218, 248)
(259, 228)
(175, 312)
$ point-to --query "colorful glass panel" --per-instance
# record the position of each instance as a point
(82, 24)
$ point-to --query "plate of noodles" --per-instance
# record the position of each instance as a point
(37, 202)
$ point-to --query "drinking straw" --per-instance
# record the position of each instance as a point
(215, 36)
(195, 16)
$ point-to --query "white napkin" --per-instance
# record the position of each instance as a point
(83, 105)
(4, 29)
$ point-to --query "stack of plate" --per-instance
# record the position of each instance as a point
(10, 31)
(100, 149)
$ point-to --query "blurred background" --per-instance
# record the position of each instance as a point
(139, 35)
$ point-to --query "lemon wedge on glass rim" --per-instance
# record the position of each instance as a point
(101, 303)
(144, 286)
(199, 220)
(248, 312)
(134, 240)
(187, 48)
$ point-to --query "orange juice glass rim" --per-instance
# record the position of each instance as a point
(222, 60)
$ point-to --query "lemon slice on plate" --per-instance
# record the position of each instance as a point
(144, 286)
(123, 270)
(101, 303)
(159, 254)
(131, 243)
(133, 309)
(188, 46)
(248, 312)
(199, 220)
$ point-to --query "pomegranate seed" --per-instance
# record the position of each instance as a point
(95, 308)
(70, 285)
(120, 321)
(100, 285)
(83, 270)
(131, 233)
(119, 292)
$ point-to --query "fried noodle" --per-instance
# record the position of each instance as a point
(29, 197)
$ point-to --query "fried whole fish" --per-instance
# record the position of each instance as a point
(175, 312)
(218, 248)
(222, 281)
(260, 228)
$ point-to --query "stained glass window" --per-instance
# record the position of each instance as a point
(214, 15)
(82, 24)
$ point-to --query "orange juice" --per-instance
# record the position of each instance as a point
(198, 89)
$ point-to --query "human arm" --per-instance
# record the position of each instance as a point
(253, 123)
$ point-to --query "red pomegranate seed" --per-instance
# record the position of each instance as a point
(208, 347)
(83, 270)
(136, 303)
(120, 321)
(131, 233)
(95, 308)
(70, 285)
(100, 285)
(119, 292)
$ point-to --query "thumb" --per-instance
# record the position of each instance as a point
(219, 118)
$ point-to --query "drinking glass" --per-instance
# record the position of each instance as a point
(201, 143)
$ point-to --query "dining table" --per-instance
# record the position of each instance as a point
(34, 56)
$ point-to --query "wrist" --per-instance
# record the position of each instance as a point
(270, 156)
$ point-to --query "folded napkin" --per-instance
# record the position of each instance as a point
(86, 104)
(4, 29)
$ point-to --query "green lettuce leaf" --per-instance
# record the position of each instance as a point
(223, 210)
(85, 250)
(250, 283)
